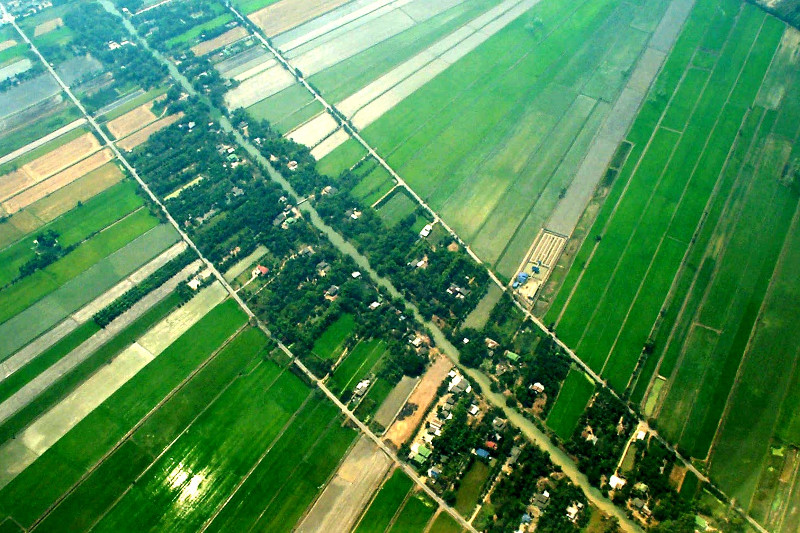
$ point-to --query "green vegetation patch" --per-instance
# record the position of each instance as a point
(386, 503)
(445, 523)
(80, 289)
(331, 342)
(397, 207)
(471, 487)
(414, 515)
(357, 365)
(575, 394)
(342, 158)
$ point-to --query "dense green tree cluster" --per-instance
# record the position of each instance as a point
(104, 317)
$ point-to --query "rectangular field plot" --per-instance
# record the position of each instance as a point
(385, 504)
(357, 365)
(41, 301)
(397, 207)
(572, 400)
(331, 343)
(415, 514)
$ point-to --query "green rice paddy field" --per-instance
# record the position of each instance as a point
(696, 234)
(573, 397)
(357, 365)
(331, 343)
(386, 503)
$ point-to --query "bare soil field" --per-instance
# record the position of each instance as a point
(225, 39)
(259, 86)
(47, 26)
(422, 397)
(43, 167)
(7, 44)
(132, 141)
(86, 187)
(287, 14)
(349, 491)
(395, 400)
(56, 182)
(314, 131)
(131, 121)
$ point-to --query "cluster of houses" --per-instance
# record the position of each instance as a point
(26, 8)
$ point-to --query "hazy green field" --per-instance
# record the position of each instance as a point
(331, 342)
(342, 158)
(385, 504)
(74, 226)
(445, 523)
(572, 400)
(414, 515)
(71, 294)
(457, 145)
(471, 487)
(357, 365)
(397, 207)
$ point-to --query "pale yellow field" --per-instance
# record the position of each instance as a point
(7, 44)
(225, 39)
(132, 141)
(47, 26)
(45, 166)
(63, 200)
(286, 14)
(132, 120)
(56, 182)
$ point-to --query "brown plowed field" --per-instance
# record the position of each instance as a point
(81, 190)
(7, 44)
(63, 178)
(286, 14)
(47, 26)
(43, 167)
(132, 141)
(225, 39)
(132, 120)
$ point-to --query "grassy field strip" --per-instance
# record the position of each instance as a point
(763, 384)
(681, 151)
(277, 464)
(90, 499)
(83, 288)
(444, 523)
(344, 157)
(32, 349)
(404, 87)
(566, 214)
(27, 391)
(572, 399)
(245, 263)
(471, 487)
(415, 514)
(100, 432)
(385, 504)
(42, 141)
(355, 367)
(350, 489)
(74, 227)
(331, 343)
(626, 347)
(320, 30)
(687, 380)
(346, 77)
(56, 422)
(640, 136)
